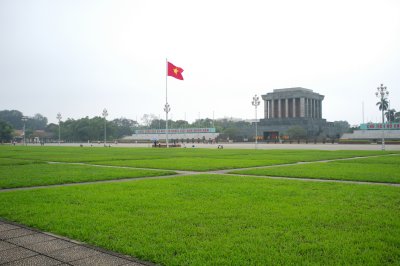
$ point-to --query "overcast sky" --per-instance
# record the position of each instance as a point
(78, 57)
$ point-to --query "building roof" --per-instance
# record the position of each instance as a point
(292, 90)
(296, 92)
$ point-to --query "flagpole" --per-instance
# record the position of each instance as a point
(166, 108)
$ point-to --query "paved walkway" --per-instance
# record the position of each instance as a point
(249, 145)
(20, 245)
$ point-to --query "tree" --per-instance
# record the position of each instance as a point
(383, 104)
(53, 129)
(230, 132)
(297, 132)
(5, 131)
(159, 124)
(397, 117)
(13, 117)
(147, 119)
(87, 129)
(390, 115)
(123, 126)
(37, 122)
(341, 127)
(181, 124)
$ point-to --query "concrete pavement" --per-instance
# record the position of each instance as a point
(20, 245)
(246, 145)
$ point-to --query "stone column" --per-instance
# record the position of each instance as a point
(313, 108)
(266, 109)
(306, 109)
(279, 108)
(302, 107)
(286, 107)
(320, 109)
(272, 109)
(294, 108)
(316, 109)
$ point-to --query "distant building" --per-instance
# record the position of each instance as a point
(34, 137)
(174, 134)
(373, 132)
(285, 108)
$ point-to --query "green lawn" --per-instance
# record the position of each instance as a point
(211, 219)
(222, 220)
(195, 163)
(37, 174)
(383, 161)
(175, 159)
(377, 169)
(9, 161)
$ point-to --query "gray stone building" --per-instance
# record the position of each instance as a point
(285, 108)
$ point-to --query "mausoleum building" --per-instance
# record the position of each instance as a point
(285, 108)
(292, 103)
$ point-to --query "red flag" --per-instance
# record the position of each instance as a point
(174, 71)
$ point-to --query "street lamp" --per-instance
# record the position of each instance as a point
(256, 103)
(105, 114)
(24, 119)
(167, 108)
(59, 127)
(382, 93)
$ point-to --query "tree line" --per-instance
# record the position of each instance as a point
(92, 129)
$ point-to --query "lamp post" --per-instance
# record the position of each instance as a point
(24, 119)
(105, 114)
(256, 103)
(59, 127)
(382, 93)
(167, 108)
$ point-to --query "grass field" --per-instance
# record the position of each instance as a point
(379, 169)
(25, 173)
(210, 219)
(175, 159)
(221, 220)
(9, 161)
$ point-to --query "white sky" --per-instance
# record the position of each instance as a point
(78, 57)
